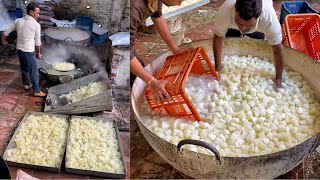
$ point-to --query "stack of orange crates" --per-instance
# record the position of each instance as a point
(302, 32)
(176, 70)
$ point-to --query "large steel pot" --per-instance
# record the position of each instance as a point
(71, 36)
(200, 165)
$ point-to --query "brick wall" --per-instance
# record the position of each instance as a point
(112, 14)
(103, 11)
(100, 10)
(11, 4)
(8, 3)
(126, 18)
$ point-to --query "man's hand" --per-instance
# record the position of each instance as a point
(180, 50)
(4, 43)
(218, 68)
(278, 61)
(217, 49)
(277, 82)
(158, 90)
(161, 25)
(39, 55)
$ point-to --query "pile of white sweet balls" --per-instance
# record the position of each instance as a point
(83, 92)
(41, 141)
(93, 145)
(64, 66)
(243, 114)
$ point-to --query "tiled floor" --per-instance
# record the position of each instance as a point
(15, 102)
(196, 25)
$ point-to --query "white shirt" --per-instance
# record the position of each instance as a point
(267, 22)
(28, 33)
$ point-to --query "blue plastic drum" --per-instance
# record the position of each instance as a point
(84, 23)
(14, 14)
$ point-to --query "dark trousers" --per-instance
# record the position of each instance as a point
(133, 76)
(29, 68)
(236, 33)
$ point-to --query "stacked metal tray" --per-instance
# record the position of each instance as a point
(12, 145)
(67, 169)
(91, 172)
(99, 102)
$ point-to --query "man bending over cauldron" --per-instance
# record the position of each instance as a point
(28, 41)
(254, 18)
(140, 10)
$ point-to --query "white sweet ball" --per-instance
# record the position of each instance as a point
(64, 66)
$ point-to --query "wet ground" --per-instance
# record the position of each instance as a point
(15, 102)
(196, 25)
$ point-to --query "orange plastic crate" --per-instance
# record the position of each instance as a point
(176, 70)
(302, 32)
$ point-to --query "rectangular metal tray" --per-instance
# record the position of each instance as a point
(99, 102)
(97, 173)
(149, 22)
(12, 145)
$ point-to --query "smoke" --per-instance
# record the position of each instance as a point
(5, 20)
(55, 53)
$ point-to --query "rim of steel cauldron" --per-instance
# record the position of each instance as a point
(213, 162)
(52, 35)
(315, 140)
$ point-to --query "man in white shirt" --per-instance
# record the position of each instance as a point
(254, 18)
(28, 42)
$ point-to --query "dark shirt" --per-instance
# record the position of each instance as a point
(139, 12)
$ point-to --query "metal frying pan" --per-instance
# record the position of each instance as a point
(56, 68)
(4, 170)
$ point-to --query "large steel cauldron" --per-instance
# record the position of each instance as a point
(71, 36)
(199, 165)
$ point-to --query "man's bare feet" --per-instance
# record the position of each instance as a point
(39, 94)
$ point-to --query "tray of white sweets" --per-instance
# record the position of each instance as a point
(94, 148)
(88, 94)
(39, 142)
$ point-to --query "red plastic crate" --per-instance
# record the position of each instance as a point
(176, 70)
(302, 32)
